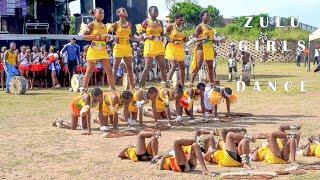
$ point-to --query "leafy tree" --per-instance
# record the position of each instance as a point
(214, 13)
(191, 12)
(170, 3)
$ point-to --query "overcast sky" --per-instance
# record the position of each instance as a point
(307, 11)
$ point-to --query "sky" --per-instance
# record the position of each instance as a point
(307, 11)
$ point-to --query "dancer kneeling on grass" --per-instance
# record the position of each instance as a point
(218, 94)
(109, 106)
(312, 148)
(281, 146)
(186, 153)
(143, 151)
(160, 105)
(81, 107)
(189, 96)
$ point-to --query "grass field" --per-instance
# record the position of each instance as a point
(30, 148)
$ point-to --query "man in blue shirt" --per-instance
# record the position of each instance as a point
(73, 56)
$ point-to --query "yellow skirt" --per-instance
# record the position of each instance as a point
(175, 52)
(317, 151)
(270, 158)
(208, 55)
(97, 51)
(223, 159)
(122, 50)
(153, 48)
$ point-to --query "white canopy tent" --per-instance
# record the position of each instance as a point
(313, 36)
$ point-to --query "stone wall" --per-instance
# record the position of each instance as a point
(257, 55)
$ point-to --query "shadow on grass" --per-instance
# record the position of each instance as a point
(243, 122)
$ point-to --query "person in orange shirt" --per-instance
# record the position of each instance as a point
(306, 53)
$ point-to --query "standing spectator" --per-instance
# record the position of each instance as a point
(84, 59)
(73, 57)
(316, 55)
(215, 62)
(3, 49)
(54, 67)
(44, 66)
(306, 53)
(10, 63)
(187, 64)
(298, 57)
(24, 62)
(35, 65)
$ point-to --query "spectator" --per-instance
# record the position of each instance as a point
(73, 57)
(298, 57)
(3, 49)
(306, 53)
(54, 67)
(10, 63)
(316, 55)
(24, 61)
(35, 66)
(187, 63)
(44, 67)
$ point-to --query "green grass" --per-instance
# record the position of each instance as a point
(32, 149)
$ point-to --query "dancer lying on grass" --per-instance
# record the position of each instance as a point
(281, 146)
(143, 151)
(312, 148)
(186, 153)
(235, 151)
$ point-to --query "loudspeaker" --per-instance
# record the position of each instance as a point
(86, 6)
(106, 6)
(18, 13)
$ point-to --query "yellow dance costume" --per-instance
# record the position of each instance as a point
(314, 150)
(132, 106)
(131, 152)
(222, 158)
(207, 47)
(162, 100)
(216, 97)
(153, 48)
(265, 154)
(317, 151)
(175, 48)
(12, 57)
(98, 49)
(123, 48)
(108, 106)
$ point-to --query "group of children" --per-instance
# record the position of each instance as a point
(108, 105)
(39, 66)
(231, 150)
